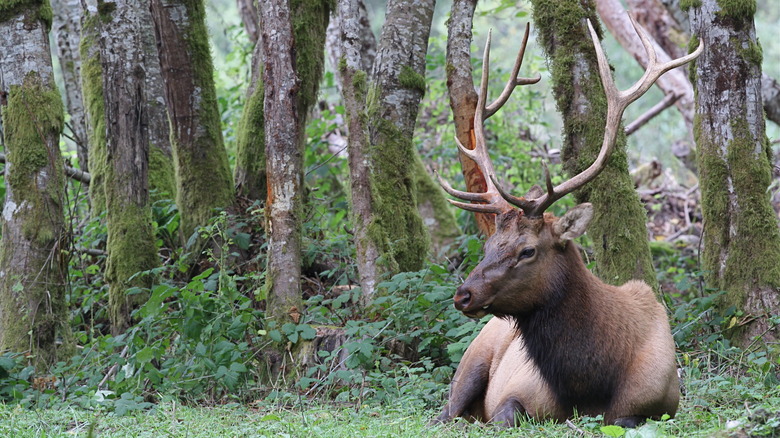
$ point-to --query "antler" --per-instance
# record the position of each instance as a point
(491, 201)
(617, 101)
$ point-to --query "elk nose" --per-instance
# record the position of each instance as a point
(462, 298)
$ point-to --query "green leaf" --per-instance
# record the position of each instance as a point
(613, 430)
(275, 335)
(238, 367)
(145, 355)
(307, 332)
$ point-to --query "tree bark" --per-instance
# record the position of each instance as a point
(618, 227)
(92, 95)
(354, 87)
(203, 179)
(361, 36)
(381, 110)
(463, 99)
(161, 170)
(741, 239)
(33, 313)
(293, 43)
(66, 27)
(130, 243)
(247, 9)
(249, 173)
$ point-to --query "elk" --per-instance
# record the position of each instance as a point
(562, 340)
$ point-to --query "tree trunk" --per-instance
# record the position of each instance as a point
(249, 173)
(92, 94)
(33, 313)
(436, 213)
(354, 88)
(66, 27)
(381, 110)
(161, 170)
(362, 39)
(247, 9)
(293, 43)
(130, 243)
(618, 227)
(463, 99)
(741, 240)
(203, 179)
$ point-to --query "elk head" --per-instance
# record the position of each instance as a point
(527, 251)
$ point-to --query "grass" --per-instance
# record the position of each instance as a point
(709, 404)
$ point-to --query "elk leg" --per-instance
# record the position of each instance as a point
(467, 393)
(507, 413)
(630, 422)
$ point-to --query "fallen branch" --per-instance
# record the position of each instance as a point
(70, 172)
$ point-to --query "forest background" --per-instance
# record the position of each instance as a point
(200, 336)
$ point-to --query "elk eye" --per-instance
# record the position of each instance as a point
(526, 253)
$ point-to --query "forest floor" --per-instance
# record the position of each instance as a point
(698, 417)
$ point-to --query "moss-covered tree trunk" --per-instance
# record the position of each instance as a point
(123, 159)
(249, 173)
(92, 94)
(741, 239)
(66, 29)
(203, 179)
(390, 235)
(161, 170)
(618, 227)
(33, 313)
(293, 40)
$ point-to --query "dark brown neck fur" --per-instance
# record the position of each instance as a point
(568, 339)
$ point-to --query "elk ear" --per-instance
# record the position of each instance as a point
(573, 223)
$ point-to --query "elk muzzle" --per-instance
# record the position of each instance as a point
(466, 302)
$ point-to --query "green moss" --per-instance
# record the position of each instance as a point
(203, 177)
(34, 113)
(161, 174)
(753, 54)
(693, 44)
(309, 20)
(105, 10)
(445, 229)
(41, 10)
(131, 249)
(250, 172)
(398, 229)
(755, 246)
(32, 123)
(360, 82)
(740, 10)
(92, 90)
(685, 5)
(408, 78)
(618, 225)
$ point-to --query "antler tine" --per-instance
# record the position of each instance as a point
(514, 80)
(617, 101)
(491, 201)
(654, 69)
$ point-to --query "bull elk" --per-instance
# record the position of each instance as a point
(563, 340)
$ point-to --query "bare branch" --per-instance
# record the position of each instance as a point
(70, 172)
(667, 101)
